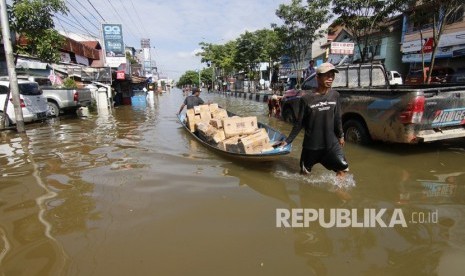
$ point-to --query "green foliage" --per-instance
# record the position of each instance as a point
(363, 18)
(69, 83)
(131, 59)
(189, 78)
(33, 19)
(302, 23)
(248, 53)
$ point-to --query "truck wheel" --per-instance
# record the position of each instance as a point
(2, 118)
(54, 110)
(356, 132)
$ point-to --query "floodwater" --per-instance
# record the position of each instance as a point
(131, 193)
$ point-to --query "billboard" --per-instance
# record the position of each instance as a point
(113, 44)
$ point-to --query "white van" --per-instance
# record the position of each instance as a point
(34, 105)
(394, 78)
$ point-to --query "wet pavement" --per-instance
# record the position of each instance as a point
(131, 193)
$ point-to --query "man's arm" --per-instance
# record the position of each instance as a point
(338, 130)
(298, 124)
(180, 109)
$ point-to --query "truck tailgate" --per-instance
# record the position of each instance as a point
(444, 114)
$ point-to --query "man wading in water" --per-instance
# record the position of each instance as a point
(320, 116)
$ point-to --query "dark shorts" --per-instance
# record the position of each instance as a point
(332, 159)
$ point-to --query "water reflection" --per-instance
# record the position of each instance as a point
(417, 249)
(130, 192)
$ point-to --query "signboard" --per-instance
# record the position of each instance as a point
(342, 48)
(428, 46)
(443, 52)
(113, 44)
(449, 39)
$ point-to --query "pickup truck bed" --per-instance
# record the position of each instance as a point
(61, 100)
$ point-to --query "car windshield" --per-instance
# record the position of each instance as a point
(29, 89)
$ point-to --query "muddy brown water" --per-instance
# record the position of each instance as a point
(131, 193)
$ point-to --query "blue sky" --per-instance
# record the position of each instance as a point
(175, 27)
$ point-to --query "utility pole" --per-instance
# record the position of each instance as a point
(11, 68)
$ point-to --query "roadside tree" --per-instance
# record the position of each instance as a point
(362, 18)
(302, 26)
(32, 20)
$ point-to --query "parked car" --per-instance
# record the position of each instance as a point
(33, 103)
(439, 75)
(372, 109)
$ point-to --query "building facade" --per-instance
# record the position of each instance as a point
(417, 39)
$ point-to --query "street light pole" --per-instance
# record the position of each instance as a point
(199, 81)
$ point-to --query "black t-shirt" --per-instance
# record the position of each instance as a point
(320, 116)
(192, 101)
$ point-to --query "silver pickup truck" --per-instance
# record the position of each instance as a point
(61, 100)
(374, 110)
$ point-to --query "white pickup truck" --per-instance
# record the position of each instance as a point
(61, 100)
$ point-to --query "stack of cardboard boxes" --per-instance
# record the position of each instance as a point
(233, 134)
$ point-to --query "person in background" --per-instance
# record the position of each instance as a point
(274, 106)
(310, 69)
(192, 100)
(320, 116)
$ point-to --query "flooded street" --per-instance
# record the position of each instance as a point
(131, 193)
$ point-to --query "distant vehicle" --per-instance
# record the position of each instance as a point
(394, 78)
(439, 75)
(33, 103)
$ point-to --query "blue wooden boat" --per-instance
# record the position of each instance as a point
(274, 135)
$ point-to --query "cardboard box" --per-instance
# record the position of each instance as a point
(204, 108)
(218, 136)
(213, 107)
(239, 126)
(205, 116)
(229, 144)
(210, 134)
(192, 119)
(216, 123)
(255, 143)
(197, 109)
(219, 114)
(190, 112)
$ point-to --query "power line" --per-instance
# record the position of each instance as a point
(70, 23)
(82, 5)
(96, 11)
(130, 18)
(138, 17)
(83, 15)
(119, 16)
